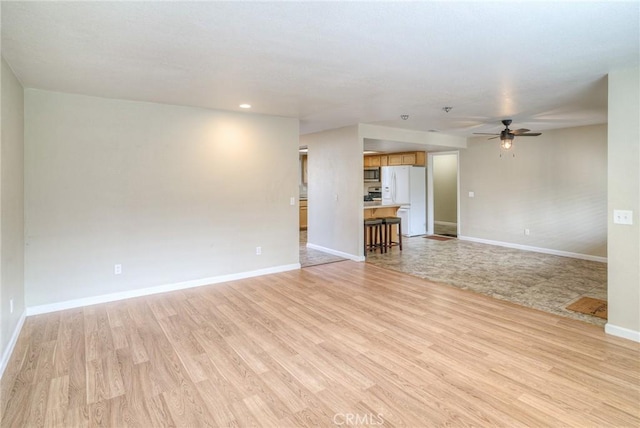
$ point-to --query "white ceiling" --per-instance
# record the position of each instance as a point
(332, 64)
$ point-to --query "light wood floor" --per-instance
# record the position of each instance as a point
(317, 347)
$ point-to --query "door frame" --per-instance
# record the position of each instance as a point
(430, 196)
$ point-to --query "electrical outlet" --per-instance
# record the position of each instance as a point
(117, 269)
(622, 217)
(527, 232)
(10, 306)
(258, 251)
(472, 194)
(292, 201)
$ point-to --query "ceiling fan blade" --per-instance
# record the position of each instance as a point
(485, 133)
(529, 134)
(520, 131)
(492, 138)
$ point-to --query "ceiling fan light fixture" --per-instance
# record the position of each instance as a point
(506, 140)
(507, 135)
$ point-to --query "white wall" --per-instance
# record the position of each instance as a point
(556, 187)
(335, 190)
(172, 193)
(624, 194)
(445, 188)
(430, 140)
(11, 209)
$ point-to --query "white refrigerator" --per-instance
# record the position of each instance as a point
(407, 186)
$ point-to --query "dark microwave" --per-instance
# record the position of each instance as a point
(372, 174)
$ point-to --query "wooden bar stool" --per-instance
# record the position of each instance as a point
(374, 227)
(387, 224)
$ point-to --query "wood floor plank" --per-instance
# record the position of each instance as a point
(261, 411)
(243, 416)
(159, 412)
(137, 386)
(77, 417)
(37, 405)
(187, 407)
(305, 347)
(216, 403)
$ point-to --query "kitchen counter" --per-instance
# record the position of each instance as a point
(377, 204)
(376, 209)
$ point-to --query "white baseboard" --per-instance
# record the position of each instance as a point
(6, 355)
(445, 223)
(86, 301)
(625, 333)
(535, 249)
(336, 253)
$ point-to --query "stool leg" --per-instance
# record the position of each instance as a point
(381, 241)
(400, 235)
(386, 236)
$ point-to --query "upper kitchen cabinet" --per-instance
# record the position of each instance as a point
(373, 161)
(394, 159)
(410, 158)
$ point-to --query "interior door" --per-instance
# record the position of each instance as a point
(451, 223)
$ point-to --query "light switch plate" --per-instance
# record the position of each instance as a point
(472, 194)
(622, 217)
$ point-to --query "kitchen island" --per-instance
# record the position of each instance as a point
(378, 210)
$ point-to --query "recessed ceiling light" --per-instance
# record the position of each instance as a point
(245, 105)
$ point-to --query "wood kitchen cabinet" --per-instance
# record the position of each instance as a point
(410, 158)
(303, 215)
(371, 161)
(395, 159)
(375, 160)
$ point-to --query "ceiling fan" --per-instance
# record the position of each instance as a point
(507, 135)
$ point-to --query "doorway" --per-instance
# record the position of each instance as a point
(443, 178)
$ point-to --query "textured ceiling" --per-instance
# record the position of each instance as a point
(332, 64)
